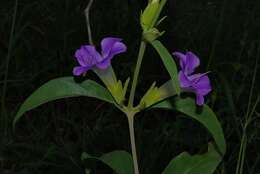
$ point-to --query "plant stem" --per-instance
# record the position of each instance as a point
(141, 55)
(136, 73)
(130, 114)
(87, 10)
(248, 119)
(218, 33)
(243, 155)
(132, 139)
(8, 57)
(240, 164)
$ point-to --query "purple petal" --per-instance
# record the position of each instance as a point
(199, 100)
(192, 62)
(118, 48)
(87, 55)
(182, 59)
(104, 64)
(184, 80)
(196, 83)
(78, 70)
(202, 84)
(188, 61)
(202, 87)
(111, 47)
(196, 77)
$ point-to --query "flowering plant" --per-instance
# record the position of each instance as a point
(166, 96)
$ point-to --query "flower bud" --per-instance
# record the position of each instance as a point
(118, 91)
(115, 87)
(152, 96)
(149, 14)
(157, 94)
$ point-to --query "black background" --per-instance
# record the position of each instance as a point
(51, 138)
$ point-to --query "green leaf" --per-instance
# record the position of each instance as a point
(203, 114)
(120, 161)
(168, 62)
(64, 87)
(197, 164)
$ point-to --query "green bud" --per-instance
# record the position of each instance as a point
(149, 14)
(151, 96)
(115, 87)
(118, 91)
(167, 90)
(152, 34)
(155, 94)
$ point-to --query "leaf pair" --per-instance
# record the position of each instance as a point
(121, 162)
(184, 163)
(66, 87)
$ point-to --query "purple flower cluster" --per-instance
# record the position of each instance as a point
(197, 83)
(88, 57)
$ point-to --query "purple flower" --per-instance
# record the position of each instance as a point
(88, 57)
(197, 83)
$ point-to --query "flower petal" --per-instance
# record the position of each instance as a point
(78, 70)
(112, 46)
(118, 48)
(202, 85)
(192, 62)
(196, 83)
(104, 64)
(87, 55)
(184, 80)
(182, 59)
(188, 61)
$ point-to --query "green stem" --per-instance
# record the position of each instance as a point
(136, 73)
(8, 57)
(243, 144)
(243, 156)
(218, 33)
(241, 153)
(132, 139)
(87, 10)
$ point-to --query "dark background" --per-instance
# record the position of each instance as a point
(50, 139)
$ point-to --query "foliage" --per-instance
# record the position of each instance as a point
(51, 138)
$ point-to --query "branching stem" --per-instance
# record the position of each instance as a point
(136, 73)
(87, 10)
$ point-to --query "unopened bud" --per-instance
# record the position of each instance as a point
(149, 14)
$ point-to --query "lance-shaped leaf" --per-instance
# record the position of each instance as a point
(204, 115)
(120, 161)
(64, 87)
(168, 62)
(196, 164)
